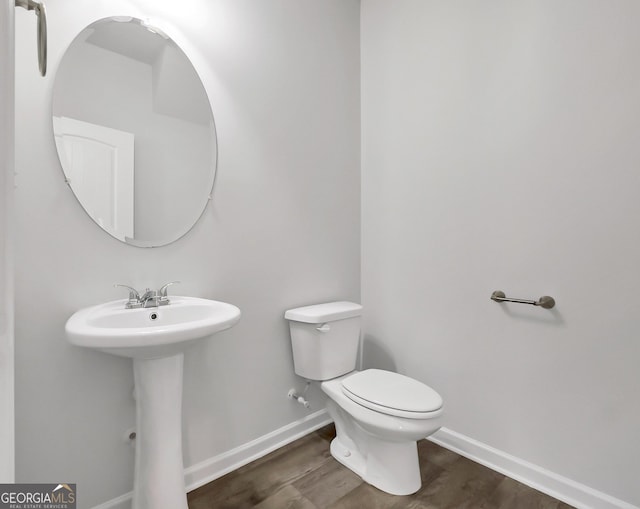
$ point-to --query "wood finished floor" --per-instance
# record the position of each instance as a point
(303, 475)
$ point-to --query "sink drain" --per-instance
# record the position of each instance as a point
(153, 316)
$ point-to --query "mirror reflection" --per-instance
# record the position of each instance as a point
(134, 131)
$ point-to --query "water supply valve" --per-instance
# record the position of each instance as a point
(300, 397)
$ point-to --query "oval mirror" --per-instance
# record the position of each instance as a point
(134, 131)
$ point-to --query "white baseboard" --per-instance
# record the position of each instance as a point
(557, 486)
(121, 502)
(206, 471)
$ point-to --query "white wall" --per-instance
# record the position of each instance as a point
(282, 231)
(6, 238)
(500, 152)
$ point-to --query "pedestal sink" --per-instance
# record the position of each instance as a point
(156, 339)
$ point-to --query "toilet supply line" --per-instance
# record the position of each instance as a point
(300, 397)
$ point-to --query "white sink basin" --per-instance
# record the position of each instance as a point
(149, 333)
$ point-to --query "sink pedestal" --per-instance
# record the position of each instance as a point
(159, 471)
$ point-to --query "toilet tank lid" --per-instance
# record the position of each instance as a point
(328, 312)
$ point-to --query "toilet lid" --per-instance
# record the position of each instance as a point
(391, 393)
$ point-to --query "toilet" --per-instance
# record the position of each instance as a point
(379, 415)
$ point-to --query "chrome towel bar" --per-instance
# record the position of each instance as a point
(545, 301)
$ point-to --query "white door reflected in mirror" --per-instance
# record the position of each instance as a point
(98, 165)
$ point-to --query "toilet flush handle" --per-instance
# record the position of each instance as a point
(323, 327)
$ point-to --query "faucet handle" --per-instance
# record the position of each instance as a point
(163, 289)
(134, 296)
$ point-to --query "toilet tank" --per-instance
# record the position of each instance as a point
(325, 339)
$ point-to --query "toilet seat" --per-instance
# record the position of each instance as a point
(391, 394)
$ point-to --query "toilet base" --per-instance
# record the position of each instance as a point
(391, 467)
(350, 458)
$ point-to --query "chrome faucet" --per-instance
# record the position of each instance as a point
(149, 299)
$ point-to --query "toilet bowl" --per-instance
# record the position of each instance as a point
(377, 444)
(379, 415)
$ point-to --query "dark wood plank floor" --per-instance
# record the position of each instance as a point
(303, 475)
